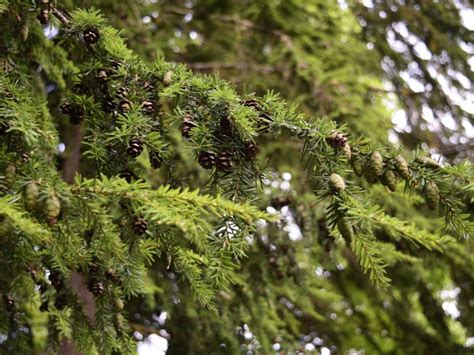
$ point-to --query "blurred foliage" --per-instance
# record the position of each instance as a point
(230, 277)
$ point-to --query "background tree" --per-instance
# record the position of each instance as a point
(274, 252)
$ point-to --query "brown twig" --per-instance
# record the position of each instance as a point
(60, 16)
(203, 66)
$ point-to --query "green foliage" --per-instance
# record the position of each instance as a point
(162, 201)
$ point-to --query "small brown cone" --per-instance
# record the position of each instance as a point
(345, 228)
(336, 183)
(31, 196)
(401, 166)
(432, 195)
(53, 208)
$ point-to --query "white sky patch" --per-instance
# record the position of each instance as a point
(161, 319)
(469, 342)
(422, 51)
(428, 114)
(399, 119)
(342, 4)
(449, 122)
(51, 31)
(271, 210)
(292, 228)
(415, 85)
(469, 128)
(368, 3)
(449, 297)
(285, 185)
(463, 97)
(193, 35)
(153, 345)
(467, 18)
(61, 148)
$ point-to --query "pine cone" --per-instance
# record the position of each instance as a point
(155, 160)
(31, 196)
(264, 122)
(401, 166)
(125, 106)
(374, 168)
(139, 225)
(250, 150)
(337, 140)
(102, 75)
(432, 195)
(43, 16)
(207, 160)
(93, 268)
(252, 103)
(428, 162)
(66, 108)
(115, 64)
(336, 183)
(148, 86)
(74, 112)
(148, 107)
(358, 166)
(10, 175)
(346, 149)
(24, 157)
(91, 36)
(53, 208)
(389, 179)
(123, 92)
(224, 160)
(119, 323)
(135, 147)
(9, 302)
(119, 304)
(110, 275)
(168, 77)
(128, 175)
(187, 126)
(345, 228)
(96, 287)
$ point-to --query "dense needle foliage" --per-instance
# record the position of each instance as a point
(228, 164)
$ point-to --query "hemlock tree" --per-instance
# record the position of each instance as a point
(133, 186)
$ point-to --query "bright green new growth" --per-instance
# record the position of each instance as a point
(143, 215)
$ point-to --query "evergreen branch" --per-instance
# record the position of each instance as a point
(171, 205)
(11, 210)
(372, 214)
(365, 248)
